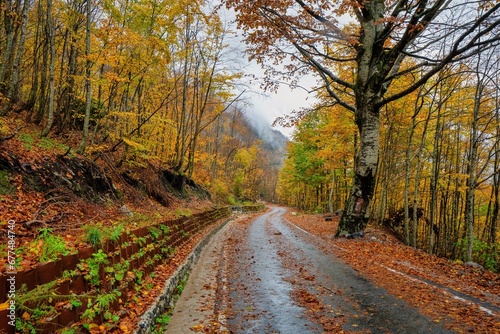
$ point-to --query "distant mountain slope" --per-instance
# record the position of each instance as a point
(273, 140)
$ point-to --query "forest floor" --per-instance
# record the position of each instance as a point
(284, 272)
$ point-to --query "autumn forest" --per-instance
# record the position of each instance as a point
(159, 82)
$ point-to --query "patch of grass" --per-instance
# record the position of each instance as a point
(30, 142)
(51, 144)
(161, 323)
(183, 212)
(27, 139)
(6, 188)
(3, 251)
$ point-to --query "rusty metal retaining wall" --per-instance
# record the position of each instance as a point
(138, 246)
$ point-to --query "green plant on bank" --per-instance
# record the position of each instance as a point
(53, 246)
(161, 323)
(139, 254)
(68, 274)
(68, 331)
(180, 212)
(94, 235)
(169, 251)
(141, 241)
(138, 219)
(184, 234)
(182, 284)
(116, 232)
(154, 232)
(98, 305)
(3, 251)
(117, 272)
(231, 200)
(150, 262)
(44, 143)
(138, 276)
(165, 229)
(29, 326)
(51, 145)
(91, 267)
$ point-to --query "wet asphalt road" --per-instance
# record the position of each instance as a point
(261, 274)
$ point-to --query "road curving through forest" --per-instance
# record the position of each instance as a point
(259, 275)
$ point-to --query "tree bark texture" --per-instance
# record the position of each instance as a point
(355, 216)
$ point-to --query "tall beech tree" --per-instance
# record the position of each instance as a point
(383, 35)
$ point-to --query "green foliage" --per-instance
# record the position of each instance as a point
(51, 145)
(116, 232)
(44, 143)
(161, 323)
(182, 284)
(29, 326)
(6, 188)
(138, 276)
(75, 303)
(155, 232)
(3, 251)
(100, 305)
(183, 212)
(94, 235)
(68, 331)
(141, 241)
(231, 200)
(165, 229)
(117, 272)
(27, 139)
(483, 253)
(53, 246)
(169, 251)
(92, 265)
(38, 304)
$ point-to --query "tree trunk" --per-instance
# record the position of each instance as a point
(51, 35)
(13, 93)
(9, 24)
(88, 86)
(471, 166)
(355, 218)
(330, 195)
(407, 183)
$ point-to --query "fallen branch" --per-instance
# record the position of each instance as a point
(44, 222)
(2, 139)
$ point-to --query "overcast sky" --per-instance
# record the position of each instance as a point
(265, 107)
